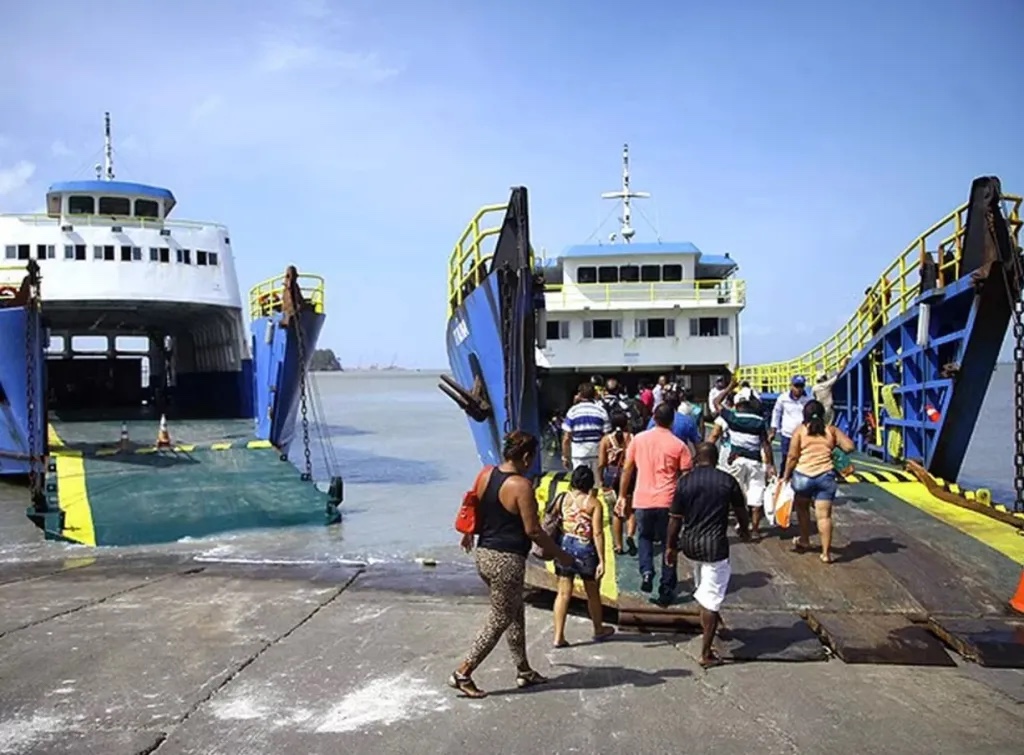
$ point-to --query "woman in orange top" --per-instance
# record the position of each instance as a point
(809, 468)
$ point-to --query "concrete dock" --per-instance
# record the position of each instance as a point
(124, 655)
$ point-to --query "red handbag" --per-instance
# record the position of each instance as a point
(465, 520)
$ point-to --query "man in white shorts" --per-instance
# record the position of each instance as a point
(749, 458)
(702, 502)
(584, 426)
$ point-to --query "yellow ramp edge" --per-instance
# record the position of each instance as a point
(72, 496)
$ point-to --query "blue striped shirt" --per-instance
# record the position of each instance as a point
(587, 422)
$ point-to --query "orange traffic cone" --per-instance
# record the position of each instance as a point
(1017, 601)
(163, 438)
(932, 413)
(124, 436)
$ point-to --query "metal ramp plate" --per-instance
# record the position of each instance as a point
(995, 642)
(879, 638)
(768, 636)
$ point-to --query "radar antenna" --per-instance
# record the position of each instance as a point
(626, 231)
(107, 173)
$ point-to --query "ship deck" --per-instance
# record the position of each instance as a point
(911, 573)
(215, 477)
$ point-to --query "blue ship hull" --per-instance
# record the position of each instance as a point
(15, 393)
(491, 340)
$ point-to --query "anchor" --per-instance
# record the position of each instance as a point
(474, 403)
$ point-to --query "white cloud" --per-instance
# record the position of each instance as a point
(16, 177)
(283, 56)
(60, 149)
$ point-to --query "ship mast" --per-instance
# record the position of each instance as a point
(626, 231)
(105, 172)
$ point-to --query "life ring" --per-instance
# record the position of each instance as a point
(8, 292)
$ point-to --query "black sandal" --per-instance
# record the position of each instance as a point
(464, 684)
(529, 679)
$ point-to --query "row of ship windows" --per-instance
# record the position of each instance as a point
(121, 206)
(649, 327)
(629, 274)
(109, 253)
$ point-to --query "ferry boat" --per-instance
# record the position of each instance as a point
(624, 309)
(915, 362)
(108, 263)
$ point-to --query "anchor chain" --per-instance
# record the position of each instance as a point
(505, 281)
(31, 342)
(1018, 400)
(307, 474)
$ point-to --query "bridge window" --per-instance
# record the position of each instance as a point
(115, 206)
(212, 257)
(45, 252)
(602, 329)
(162, 254)
(655, 327)
(81, 206)
(74, 252)
(709, 327)
(105, 253)
(558, 330)
(650, 273)
(147, 208)
(184, 256)
(671, 273)
(629, 274)
(586, 274)
(607, 275)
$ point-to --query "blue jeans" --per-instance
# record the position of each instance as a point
(820, 488)
(784, 448)
(651, 526)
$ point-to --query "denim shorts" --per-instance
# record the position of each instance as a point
(585, 555)
(820, 488)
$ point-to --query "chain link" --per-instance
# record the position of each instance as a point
(1018, 396)
(303, 398)
(505, 280)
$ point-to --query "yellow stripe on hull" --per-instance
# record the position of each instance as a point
(72, 496)
(551, 484)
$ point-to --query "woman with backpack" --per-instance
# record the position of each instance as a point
(582, 529)
(611, 457)
(811, 470)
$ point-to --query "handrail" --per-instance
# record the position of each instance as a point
(132, 221)
(267, 297)
(461, 274)
(891, 295)
(710, 292)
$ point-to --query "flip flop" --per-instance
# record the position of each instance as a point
(562, 644)
(605, 634)
(714, 660)
(465, 685)
(826, 558)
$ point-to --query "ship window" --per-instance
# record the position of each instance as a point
(607, 275)
(629, 273)
(672, 273)
(80, 252)
(200, 257)
(709, 327)
(24, 251)
(558, 330)
(69, 252)
(655, 327)
(115, 206)
(184, 256)
(586, 274)
(136, 254)
(212, 257)
(126, 254)
(81, 206)
(650, 273)
(163, 254)
(103, 253)
(147, 208)
(603, 329)
(45, 252)
(11, 252)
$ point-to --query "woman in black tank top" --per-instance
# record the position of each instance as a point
(505, 532)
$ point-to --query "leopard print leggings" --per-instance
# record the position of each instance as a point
(504, 574)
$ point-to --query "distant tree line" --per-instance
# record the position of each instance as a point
(324, 361)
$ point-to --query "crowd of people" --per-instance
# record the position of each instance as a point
(673, 476)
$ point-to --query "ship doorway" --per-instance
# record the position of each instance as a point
(99, 376)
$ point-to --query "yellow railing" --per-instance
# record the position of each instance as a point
(727, 292)
(13, 275)
(128, 221)
(467, 263)
(267, 297)
(889, 297)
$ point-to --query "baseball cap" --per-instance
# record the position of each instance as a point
(799, 380)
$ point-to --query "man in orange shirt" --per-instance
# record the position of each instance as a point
(657, 458)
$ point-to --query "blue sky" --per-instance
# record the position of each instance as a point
(812, 141)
